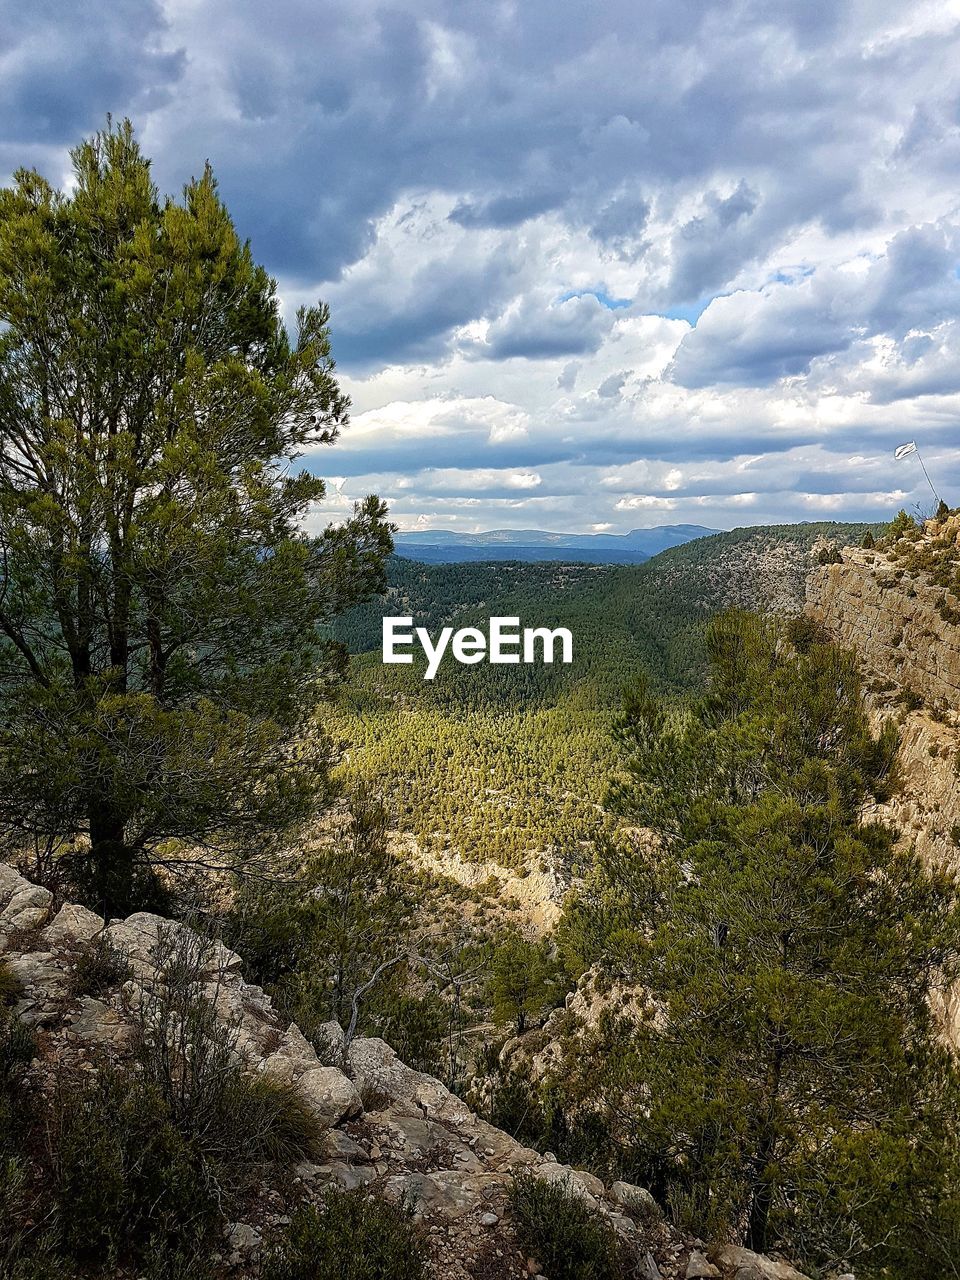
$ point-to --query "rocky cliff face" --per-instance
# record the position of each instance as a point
(385, 1126)
(895, 620)
(901, 621)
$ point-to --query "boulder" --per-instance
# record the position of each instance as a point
(375, 1067)
(147, 940)
(22, 905)
(634, 1199)
(744, 1264)
(71, 924)
(582, 1185)
(329, 1095)
(699, 1268)
(293, 1056)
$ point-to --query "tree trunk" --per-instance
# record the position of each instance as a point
(111, 861)
(762, 1199)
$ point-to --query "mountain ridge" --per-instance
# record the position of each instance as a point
(633, 547)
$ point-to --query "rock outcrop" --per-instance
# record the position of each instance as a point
(905, 627)
(895, 621)
(385, 1126)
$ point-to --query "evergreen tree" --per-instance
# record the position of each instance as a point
(786, 1080)
(159, 604)
(525, 979)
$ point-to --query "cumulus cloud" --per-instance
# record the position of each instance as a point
(680, 257)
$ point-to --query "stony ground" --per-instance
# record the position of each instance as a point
(386, 1127)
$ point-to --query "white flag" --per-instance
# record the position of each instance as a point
(905, 449)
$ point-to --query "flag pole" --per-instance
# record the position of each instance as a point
(927, 477)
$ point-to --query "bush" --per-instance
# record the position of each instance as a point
(17, 1048)
(803, 633)
(570, 1240)
(829, 555)
(127, 1181)
(260, 1118)
(349, 1236)
(99, 967)
(190, 1061)
(9, 988)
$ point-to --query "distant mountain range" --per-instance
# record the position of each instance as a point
(445, 546)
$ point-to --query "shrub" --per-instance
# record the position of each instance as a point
(803, 633)
(349, 1236)
(909, 699)
(829, 555)
(902, 526)
(126, 1179)
(17, 1048)
(570, 1240)
(190, 1061)
(261, 1118)
(9, 987)
(99, 967)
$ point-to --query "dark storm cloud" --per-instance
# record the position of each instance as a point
(65, 66)
(317, 118)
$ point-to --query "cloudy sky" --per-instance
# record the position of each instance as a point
(592, 265)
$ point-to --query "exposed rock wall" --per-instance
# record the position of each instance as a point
(892, 619)
(910, 652)
(386, 1127)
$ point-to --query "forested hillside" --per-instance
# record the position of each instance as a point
(502, 762)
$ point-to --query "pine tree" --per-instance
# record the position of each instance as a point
(159, 605)
(789, 949)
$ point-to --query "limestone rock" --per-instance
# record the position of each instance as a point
(22, 905)
(634, 1199)
(99, 1023)
(444, 1193)
(293, 1056)
(329, 1095)
(699, 1268)
(744, 1264)
(147, 939)
(243, 1242)
(348, 1176)
(583, 1185)
(71, 924)
(374, 1066)
(43, 981)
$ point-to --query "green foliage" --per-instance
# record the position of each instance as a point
(189, 1060)
(161, 605)
(9, 987)
(868, 542)
(98, 968)
(829, 555)
(125, 1176)
(319, 938)
(526, 979)
(789, 950)
(135, 1169)
(568, 1239)
(508, 763)
(348, 1236)
(902, 526)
